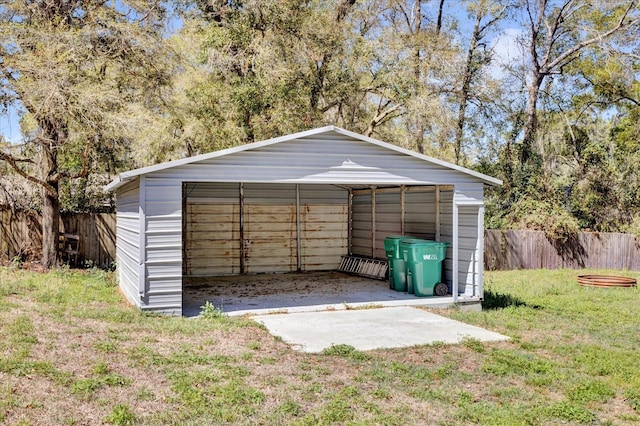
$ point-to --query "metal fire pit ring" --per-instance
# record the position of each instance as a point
(605, 281)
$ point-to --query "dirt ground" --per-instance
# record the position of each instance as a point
(292, 292)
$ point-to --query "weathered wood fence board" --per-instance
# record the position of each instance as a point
(20, 235)
(514, 249)
(97, 236)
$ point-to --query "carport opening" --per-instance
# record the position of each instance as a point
(264, 243)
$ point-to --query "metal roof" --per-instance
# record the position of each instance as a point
(331, 175)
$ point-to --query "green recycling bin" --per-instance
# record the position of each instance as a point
(423, 260)
(397, 269)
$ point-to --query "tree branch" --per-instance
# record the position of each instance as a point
(380, 117)
(82, 173)
(621, 24)
(13, 162)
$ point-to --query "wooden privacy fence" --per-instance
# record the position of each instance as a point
(514, 249)
(21, 236)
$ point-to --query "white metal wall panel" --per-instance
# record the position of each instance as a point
(128, 239)
(419, 217)
(324, 223)
(361, 220)
(212, 192)
(163, 239)
(469, 252)
(469, 191)
(469, 243)
(307, 160)
(446, 230)
(420, 212)
(388, 218)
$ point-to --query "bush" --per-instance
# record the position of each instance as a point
(558, 225)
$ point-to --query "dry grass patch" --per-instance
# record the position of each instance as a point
(72, 352)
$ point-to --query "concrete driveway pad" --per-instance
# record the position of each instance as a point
(367, 329)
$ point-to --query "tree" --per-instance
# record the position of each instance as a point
(557, 33)
(487, 15)
(73, 68)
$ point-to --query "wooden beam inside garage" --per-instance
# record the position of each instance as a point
(241, 232)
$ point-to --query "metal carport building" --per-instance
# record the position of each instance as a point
(292, 203)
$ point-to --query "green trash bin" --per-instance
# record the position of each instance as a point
(397, 269)
(424, 266)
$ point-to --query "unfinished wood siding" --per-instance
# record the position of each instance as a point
(269, 237)
(324, 222)
(212, 239)
(128, 229)
(212, 229)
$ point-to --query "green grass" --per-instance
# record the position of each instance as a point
(71, 350)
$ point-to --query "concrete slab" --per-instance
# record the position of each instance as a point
(366, 329)
(300, 292)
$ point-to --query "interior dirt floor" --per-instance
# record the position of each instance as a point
(294, 292)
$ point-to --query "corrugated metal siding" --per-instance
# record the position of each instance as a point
(361, 220)
(314, 159)
(324, 223)
(420, 212)
(469, 251)
(302, 159)
(128, 239)
(388, 218)
(163, 241)
(469, 191)
(419, 217)
(446, 230)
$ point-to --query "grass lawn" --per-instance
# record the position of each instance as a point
(73, 352)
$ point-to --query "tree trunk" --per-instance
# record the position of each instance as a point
(50, 204)
(531, 123)
(465, 88)
(50, 228)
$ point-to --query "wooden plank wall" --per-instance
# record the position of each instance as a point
(20, 236)
(324, 235)
(212, 239)
(514, 249)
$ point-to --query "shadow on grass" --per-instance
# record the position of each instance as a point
(494, 300)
